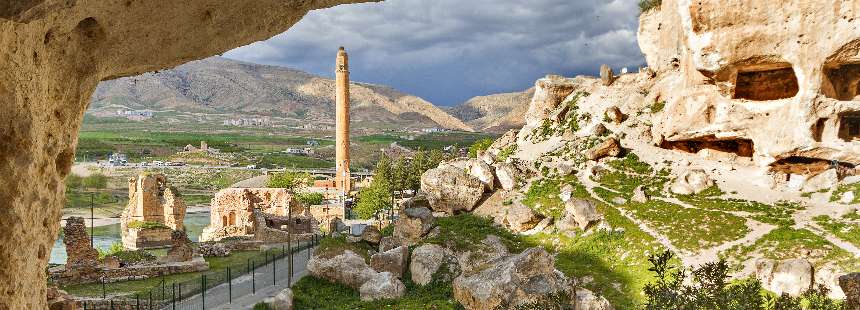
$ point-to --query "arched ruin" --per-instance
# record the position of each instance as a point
(55, 53)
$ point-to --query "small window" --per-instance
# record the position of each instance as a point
(849, 126)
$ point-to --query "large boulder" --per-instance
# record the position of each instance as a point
(450, 189)
(283, 300)
(346, 268)
(609, 147)
(371, 235)
(639, 195)
(431, 261)
(549, 93)
(580, 213)
(393, 261)
(521, 218)
(850, 284)
(508, 175)
(693, 181)
(413, 225)
(383, 285)
(525, 279)
(387, 243)
(481, 255)
(792, 276)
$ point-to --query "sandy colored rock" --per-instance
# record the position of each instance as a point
(692, 181)
(79, 251)
(792, 276)
(850, 284)
(586, 300)
(609, 147)
(579, 213)
(507, 174)
(383, 285)
(371, 234)
(56, 54)
(151, 199)
(614, 114)
(413, 225)
(180, 250)
(348, 269)
(450, 189)
(606, 75)
(431, 261)
(393, 261)
(549, 93)
(521, 218)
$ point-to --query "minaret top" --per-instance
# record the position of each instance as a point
(342, 60)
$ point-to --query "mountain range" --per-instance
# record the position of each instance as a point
(219, 85)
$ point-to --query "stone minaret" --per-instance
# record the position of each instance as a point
(342, 178)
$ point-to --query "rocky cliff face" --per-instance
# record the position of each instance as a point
(55, 54)
(221, 85)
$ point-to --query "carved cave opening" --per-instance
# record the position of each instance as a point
(849, 126)
(764, 85)
(818, 129)
(845, 82)
(739, 147)
(800, 165)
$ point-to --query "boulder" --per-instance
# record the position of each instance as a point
(282, 301)
(540, 227)
(507, 174)
(383, 285)
(521, 218)
(578, 213)
(371, 235)
(549, 93)
(479, 256)
(393, 261)
(60, 300)
(565, 193)
(824, 180)
(413, 224)
(181, 250)
(337, 225)
(450, 189)
(586, 300)
(488, 158)
(347, 268)
(792, 276)
(618, 200)
(417, 201)
(639, 195)
(388, 243)
(614, 115)
(693, 181)
(525, 279)
(850, 284)
(213, 250)
(609, 147)
(431, 261)
(606, 75)
(847, 197)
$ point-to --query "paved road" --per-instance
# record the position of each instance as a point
(219, 297)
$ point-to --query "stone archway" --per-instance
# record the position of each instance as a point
(55, 53)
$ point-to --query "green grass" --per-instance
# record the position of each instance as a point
(659, 105)
(844, 188)
(845, 231)
(779, 214)
(787, 242)
(628, 173)
(315, 293)
(689, 229)
(466, 231)
(330, 247)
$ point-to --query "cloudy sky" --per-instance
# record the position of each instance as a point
(448, 51)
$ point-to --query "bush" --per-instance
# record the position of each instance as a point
(647, 5)
(310, 199)
(711, 288)
(146, 225)
(95, 181)
(375, 198)
(290, 180)
(480, 145)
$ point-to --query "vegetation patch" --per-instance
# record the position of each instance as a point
(842, 229)
(779, 214)
(507, 152)
(687, 228)
(315, 293)
(465, 231)
(146, 225)
(787, 242)
(844, 188)
(628, 173)
(330, 247)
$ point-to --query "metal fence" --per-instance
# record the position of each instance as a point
(276, 269)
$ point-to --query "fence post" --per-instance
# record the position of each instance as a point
(104, 292)
(173, 295)
(274, 272)
(150, 299)
(229, 286)
(253, 278)
(85, 305)
(162, 287)
(180, 292)
(136, 301)
(111, 304)
(203, 290)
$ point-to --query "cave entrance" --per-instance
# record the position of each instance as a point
(770, 84)
(849, 126)
(844, 79)
(739, 147)
(800, 165)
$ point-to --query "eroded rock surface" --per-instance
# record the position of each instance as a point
(383, 285)
(431, 261)
(347, 268)
(56, 53)
(450, 188)
(793, 276)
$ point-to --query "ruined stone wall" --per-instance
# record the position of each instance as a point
(79, 250)
(232, 210)
(55, 53)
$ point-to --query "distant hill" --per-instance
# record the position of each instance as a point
(495, 113)
(223, 86)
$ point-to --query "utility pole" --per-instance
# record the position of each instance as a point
(92, 220)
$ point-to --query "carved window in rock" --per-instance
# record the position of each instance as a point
(739, 147)
(766, 84)
(849, 126)
(224, 221)
(232, 219)
(842, 82)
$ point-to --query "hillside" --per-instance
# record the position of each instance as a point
(495, 113)
(223, 86)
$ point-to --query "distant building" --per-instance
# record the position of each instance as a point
(312, 143)
(434, 129)
(136, 115)
(249, 122)
(299, 151)
(117, 159)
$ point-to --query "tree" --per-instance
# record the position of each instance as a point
(480, 145)
(95, 181)
(310, 199)
(373, 199)
(293, 181)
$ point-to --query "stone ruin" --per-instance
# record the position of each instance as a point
(151, 200)
(239, 212)
(774, 84)
(181, 249)
(81, 256)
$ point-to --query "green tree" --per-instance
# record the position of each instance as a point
(310, 199)
(293, 181)
(95, 181)
(373, 199)
(400, 174)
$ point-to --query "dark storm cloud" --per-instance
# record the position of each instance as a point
(447, 51)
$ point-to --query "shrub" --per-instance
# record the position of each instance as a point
(507, 152)
(480, 145)
(310, 199)
(95, 181)
(146, 225)
(647, 5)
(290, 180)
